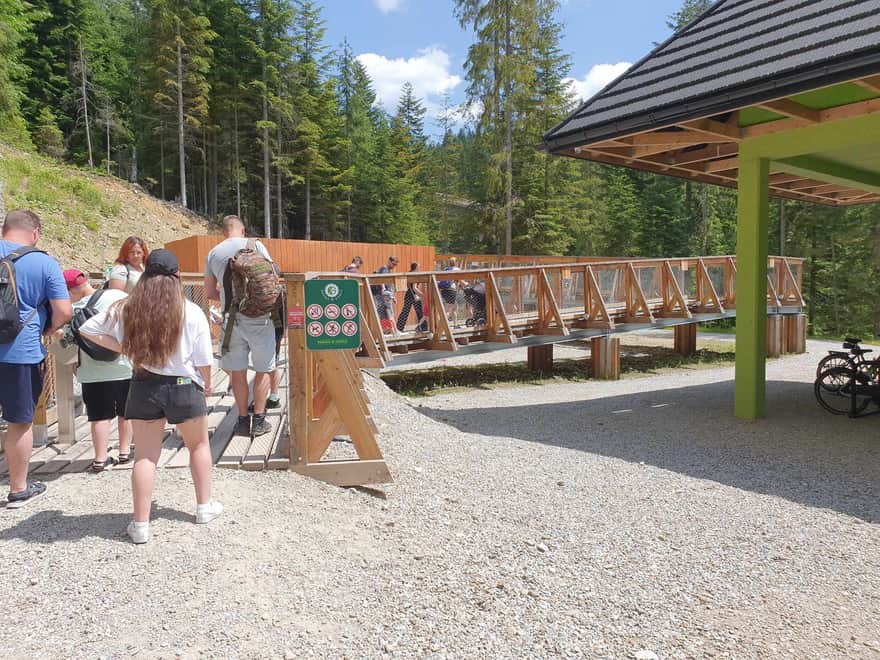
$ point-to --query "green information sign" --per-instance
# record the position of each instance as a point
(333, 315)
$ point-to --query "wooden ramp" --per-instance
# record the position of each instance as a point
(54, 458)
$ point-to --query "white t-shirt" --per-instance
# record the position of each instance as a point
(193, 350)
(96, 371)
(125, 273)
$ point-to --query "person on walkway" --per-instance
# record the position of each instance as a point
(104, 384)
(413, 299)
(243, 336)
(383, 295)
(129, 265)
(449, 291)
(43, 308)
(354, 266)
(171, 353)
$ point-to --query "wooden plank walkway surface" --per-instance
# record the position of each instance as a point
(227, 450)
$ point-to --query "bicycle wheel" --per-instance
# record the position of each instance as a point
(833, 390)
(833, 360)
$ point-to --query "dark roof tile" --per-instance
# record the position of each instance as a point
(737, 48)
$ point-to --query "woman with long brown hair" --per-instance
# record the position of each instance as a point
(168, 341)
(129, 265)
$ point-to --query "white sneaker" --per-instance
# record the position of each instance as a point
(138, 532)
(205, 513)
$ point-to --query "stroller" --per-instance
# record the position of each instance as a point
(475, 298)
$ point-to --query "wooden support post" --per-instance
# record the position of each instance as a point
(541, 358)
(65, 367)
(685, 342)
(605, 356)
(775, 343)
(794, 333)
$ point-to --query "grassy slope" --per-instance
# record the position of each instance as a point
(87, 216)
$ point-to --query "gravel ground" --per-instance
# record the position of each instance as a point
(601, 520)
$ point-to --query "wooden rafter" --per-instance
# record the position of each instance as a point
(790, 108)
(872, 83)
(715, 128)
(724, 165)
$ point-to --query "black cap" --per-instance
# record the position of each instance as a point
(161, 262)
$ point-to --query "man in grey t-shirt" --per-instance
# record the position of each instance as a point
(250, 337)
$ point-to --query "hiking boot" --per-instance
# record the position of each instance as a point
(260, 426)
(205, 513)
(243, 426)
(274, 401)
(138, 532)
(17, 500)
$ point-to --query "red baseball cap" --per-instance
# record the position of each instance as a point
(73, 277)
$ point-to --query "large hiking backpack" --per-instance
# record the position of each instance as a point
(251, 286)
(10, 316)
(80, 316)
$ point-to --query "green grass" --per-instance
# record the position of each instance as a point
(58, 193)
(637, 360)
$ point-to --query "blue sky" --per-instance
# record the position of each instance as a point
(421, 41)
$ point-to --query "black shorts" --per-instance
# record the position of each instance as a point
(177, 399)
(449, 294)
(20, 389)
(105, 400)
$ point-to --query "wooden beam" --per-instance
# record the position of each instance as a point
(792, 109)
(724, 165)
(714, 128)
(688, 138)
(872, 84)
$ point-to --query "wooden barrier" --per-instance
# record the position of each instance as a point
(795, 333)
(327, 399)
(775, 343)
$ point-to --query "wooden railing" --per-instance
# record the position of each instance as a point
(556, 298)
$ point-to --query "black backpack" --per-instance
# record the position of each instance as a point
(10, 316)
(90, 348)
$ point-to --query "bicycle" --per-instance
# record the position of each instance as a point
(852, 357)
(849, 390)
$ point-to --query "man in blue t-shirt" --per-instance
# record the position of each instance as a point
(44, 307)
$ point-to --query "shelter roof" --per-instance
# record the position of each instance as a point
(743, 68)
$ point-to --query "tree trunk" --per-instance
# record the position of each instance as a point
(85, 102)
(133, 174)
(162, 161)
(508, 148)
(204, 172)
(308, 234)
(267, 195)
(781, 227)
(279, 203)
(236, 159)
(108, 146)
(214, 182)
(180, 127)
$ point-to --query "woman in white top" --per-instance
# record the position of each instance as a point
(129, 265)
(168, 341)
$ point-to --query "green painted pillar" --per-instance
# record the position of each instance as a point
(751, 285)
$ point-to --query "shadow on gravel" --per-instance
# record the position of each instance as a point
(800, 452)
(54, 525)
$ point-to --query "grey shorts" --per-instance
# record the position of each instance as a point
(254, 338)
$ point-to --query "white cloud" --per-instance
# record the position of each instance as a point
(596, 78)
(386, 6)
(428, 73)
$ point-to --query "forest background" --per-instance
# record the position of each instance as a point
(241, 106)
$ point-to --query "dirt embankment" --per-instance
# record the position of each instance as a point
(87, 216)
